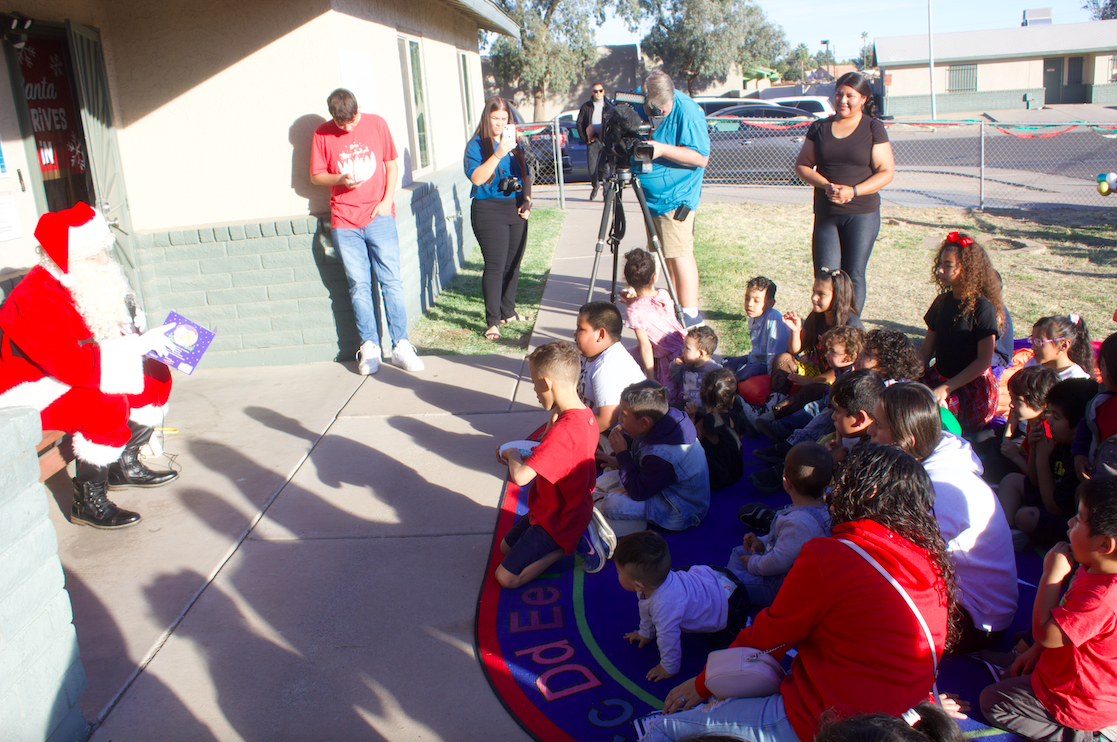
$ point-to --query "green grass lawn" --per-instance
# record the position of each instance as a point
(1075, 272)
(456, 323)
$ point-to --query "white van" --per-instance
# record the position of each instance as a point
(816, 105)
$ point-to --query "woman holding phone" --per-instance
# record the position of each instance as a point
(495, 165)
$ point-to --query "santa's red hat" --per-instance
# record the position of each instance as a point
(73, 234)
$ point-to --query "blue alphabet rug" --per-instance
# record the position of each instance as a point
(554, 650)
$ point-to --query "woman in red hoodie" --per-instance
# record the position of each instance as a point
(860, 647)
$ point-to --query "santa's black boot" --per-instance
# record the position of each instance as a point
(129, 469)
(92, 506)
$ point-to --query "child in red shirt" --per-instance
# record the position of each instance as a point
(561, 517)
(1062, 687)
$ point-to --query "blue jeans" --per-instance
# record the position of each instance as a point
(762, 590)
(359, 248)
(622, 507)
(743, 370)
(846, 242)
(756, 719)
(821, 425)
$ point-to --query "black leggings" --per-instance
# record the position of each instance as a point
(502, 234)
(846, 242)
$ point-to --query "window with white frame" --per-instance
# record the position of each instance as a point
(415, 93)
(467, 94)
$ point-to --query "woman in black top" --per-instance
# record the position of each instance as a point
(847, 158)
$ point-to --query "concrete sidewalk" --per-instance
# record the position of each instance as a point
(314, 572)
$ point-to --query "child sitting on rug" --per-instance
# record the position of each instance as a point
(561, 517)
(608, 368)
(1008, 454)
(852, 400)
(663, 469)
(840, 347)
(1037, 505)
(688, 369)
(1095, 444)
(719, 427)
(832, 305)
(699, 600)
(761, 562)
(1062, 344)
(1062, 687)
(650, 313)
(963, 324)
(767, 331)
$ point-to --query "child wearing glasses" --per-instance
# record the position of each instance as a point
(1062, 344)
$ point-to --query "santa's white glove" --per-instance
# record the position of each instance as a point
(156, 340)
(140, 320)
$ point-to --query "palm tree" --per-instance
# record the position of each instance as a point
(802, 55)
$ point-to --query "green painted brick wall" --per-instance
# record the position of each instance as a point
(275, 291)
(986, 100)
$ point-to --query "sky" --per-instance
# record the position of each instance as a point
(809, 21)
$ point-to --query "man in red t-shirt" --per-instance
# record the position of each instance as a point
(355, 156)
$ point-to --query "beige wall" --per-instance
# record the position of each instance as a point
(215, 106)
(1006, 75)
(1102, 75)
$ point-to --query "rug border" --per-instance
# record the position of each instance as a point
(505, 684)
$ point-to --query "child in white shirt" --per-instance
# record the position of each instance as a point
(707, 600)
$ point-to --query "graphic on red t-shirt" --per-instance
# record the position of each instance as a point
(360, 153)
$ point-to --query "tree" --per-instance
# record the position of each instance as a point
(556, 45)
(699, 40)
(865, 60)
(802, 55)
(1101, 10)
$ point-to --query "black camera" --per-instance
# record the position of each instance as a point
(509, 185)
(626, 131)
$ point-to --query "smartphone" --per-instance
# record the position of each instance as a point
(681, 213)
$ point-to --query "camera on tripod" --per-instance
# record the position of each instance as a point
(510, 184)
(626, 131)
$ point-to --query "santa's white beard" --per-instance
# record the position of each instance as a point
(99, 292)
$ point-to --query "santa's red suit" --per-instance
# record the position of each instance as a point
(70, 348)
(50, 360)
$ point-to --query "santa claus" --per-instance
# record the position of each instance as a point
(71, 347)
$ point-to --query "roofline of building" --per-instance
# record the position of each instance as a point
(487, 15)
(995, 57)
(948, 38)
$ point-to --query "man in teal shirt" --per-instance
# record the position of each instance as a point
(680, 150)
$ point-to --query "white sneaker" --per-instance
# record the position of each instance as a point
(368, 358)
(403, 355)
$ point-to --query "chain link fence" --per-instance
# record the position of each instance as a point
(545, 147)
(963, 164)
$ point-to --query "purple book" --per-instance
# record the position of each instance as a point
(189, 341)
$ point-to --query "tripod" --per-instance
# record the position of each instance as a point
(614, 225)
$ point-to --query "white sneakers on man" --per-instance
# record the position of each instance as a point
(404, 356)
(368, 358)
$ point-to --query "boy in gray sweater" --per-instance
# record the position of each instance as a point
(761, 562)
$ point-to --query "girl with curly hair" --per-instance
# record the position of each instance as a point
(963, 325)
(860, 647)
